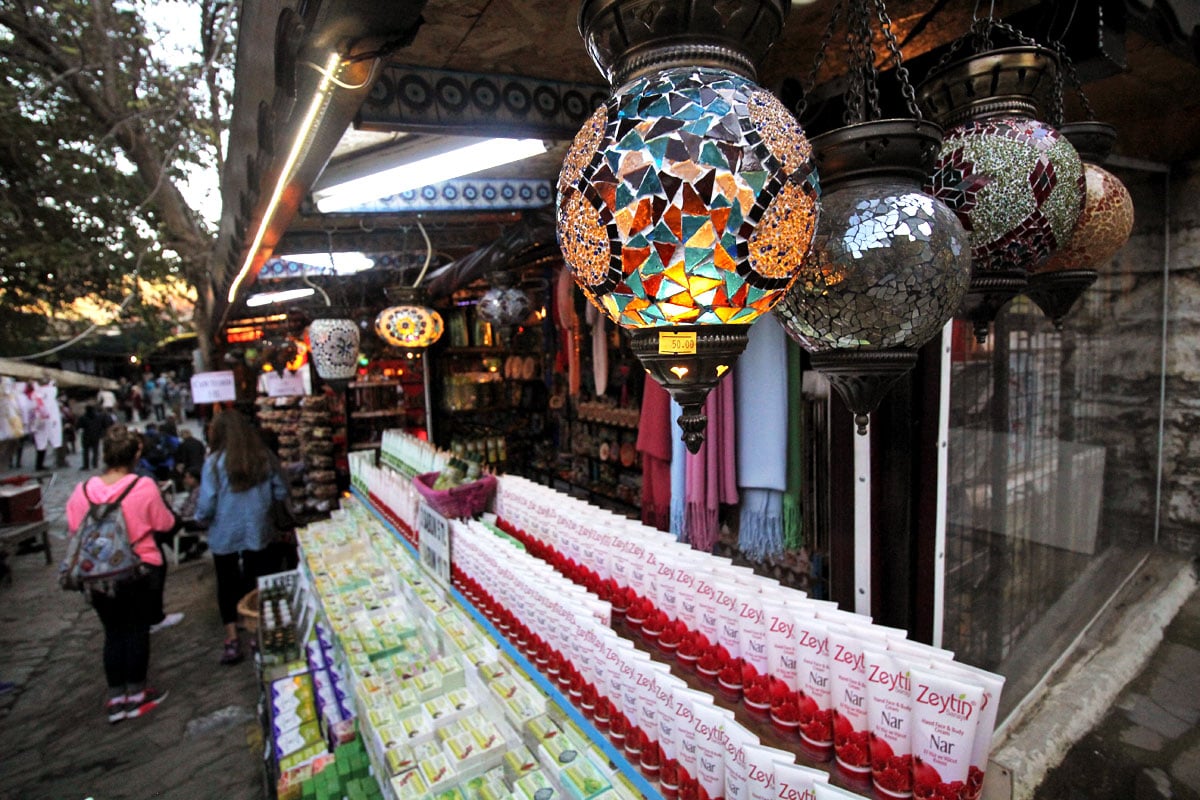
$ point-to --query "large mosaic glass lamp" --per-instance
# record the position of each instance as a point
(504, 306)
(1015, 182)
(890, 264)
(333, 339)
(687, 203)
(409, 324)
(1103, 228)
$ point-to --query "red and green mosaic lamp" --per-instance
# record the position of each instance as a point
(1014, 181)
(688, 202)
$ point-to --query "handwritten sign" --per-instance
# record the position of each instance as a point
(285, 384)
(434, 532)
(213, 387)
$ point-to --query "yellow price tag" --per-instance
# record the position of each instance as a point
(677, 344)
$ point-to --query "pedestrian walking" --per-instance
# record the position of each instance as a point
(126, 612)
(92, 426)
(240, 481)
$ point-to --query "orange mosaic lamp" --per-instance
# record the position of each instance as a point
(1103, 228)
(409, 324)
(688, 202)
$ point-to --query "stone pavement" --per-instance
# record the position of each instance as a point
(203, 742)
(1147, 747)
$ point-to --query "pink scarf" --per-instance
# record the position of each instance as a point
(654, 443)
(712, 473)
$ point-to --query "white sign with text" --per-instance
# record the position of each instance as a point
(434, 538)
(213, 387)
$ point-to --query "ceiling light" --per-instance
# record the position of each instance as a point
(266, 298)
(398, 170)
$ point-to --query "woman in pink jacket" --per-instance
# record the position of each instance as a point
(126, 613)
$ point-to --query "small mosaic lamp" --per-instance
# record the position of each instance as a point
(410, 324)
(890, 264)
(333, 339)
(1103, 228)
(504, 306)
(687, 203)
(1015, 182)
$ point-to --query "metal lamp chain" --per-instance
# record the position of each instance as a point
(1068, 66)
(819, 59)
(906, 87)
(867, 52)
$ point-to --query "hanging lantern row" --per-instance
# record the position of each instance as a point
(688, 201)
(891, 262)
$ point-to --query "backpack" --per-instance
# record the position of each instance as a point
(99, 555)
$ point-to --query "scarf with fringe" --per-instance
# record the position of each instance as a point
(762, 439)
(654, 443)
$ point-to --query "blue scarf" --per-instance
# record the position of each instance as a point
(762, 437)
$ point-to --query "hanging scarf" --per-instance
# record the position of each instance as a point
(793, 512)
(599, 349)
(679, 456)
(711, 474)
(654, 443)
(568, 322)
(762, 428)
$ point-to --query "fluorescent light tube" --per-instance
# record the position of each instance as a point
(266, 298)
(391, 178)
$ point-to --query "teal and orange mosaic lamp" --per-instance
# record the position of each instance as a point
(688, 202)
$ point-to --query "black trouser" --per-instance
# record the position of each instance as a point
(91, 455)
(237, 576)
(126, 633)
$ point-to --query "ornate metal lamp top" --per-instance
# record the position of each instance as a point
(629, 38)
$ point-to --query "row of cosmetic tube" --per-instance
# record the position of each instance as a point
(897, 717)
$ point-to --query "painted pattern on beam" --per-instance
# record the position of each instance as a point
(465, 194)
(472, 104)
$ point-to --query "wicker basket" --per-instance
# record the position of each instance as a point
(466, 500)
(248, 611)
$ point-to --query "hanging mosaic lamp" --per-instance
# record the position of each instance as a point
(333, 345)
(890, 264)
(1014, 181)
(687, 202)
(504, 306)
(410, 324)
(1103, 228)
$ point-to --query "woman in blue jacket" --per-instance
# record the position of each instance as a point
(240, 479)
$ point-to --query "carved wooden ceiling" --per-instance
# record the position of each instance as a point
(1136, 58)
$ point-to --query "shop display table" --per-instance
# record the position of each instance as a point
(21, 513)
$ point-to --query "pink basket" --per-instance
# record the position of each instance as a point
(466, 500)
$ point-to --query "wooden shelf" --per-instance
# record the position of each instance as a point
(395, 412)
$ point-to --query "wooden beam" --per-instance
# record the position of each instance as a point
(34, 372)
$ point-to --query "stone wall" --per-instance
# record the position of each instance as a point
(1116, 337)
(1180, 528)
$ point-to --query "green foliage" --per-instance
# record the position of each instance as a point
(99, 130)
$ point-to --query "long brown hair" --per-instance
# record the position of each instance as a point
(248, 462)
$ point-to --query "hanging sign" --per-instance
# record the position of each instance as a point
(434, 539)
(213, 387)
